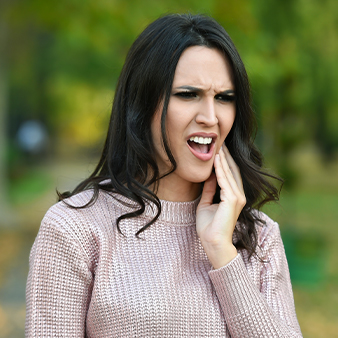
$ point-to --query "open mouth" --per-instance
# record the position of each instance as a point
(202, 146)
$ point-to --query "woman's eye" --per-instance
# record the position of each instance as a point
(186, 95)
(225, 97)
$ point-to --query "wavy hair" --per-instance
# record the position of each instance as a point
(128, 161)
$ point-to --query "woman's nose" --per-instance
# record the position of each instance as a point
(207, 113)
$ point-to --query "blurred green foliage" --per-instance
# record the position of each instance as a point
(30, 186)
(64, 59)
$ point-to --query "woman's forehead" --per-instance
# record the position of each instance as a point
(203, 67)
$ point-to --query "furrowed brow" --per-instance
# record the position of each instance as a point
(198, 90)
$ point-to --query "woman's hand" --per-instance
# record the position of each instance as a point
(215, 223)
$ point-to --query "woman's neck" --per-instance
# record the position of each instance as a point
(170, 189)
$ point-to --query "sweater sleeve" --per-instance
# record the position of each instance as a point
(253, 312)
(58, 284)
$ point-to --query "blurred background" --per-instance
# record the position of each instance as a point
(59, 63)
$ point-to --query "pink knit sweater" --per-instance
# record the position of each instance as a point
(87, 280)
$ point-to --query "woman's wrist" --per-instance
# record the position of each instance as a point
(220, 257)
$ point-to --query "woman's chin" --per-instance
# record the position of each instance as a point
(189, 174)
(201, 176)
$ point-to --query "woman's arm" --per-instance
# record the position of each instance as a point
(249, 311)
(59, 284)
(252, 312)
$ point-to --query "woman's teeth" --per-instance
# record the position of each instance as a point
(201, 140)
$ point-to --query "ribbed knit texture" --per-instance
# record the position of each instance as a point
(87, 280)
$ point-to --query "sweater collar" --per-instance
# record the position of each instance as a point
(176, 213)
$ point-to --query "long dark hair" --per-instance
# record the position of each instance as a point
(128, 164)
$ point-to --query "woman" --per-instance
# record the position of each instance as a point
(163, 240)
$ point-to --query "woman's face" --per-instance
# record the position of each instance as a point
(200, 114)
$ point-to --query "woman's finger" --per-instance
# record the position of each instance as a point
(209, 190)
(229, 175)
(222, 179)
(237, 187)
(233, 168)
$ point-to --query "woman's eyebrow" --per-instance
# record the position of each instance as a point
(227, 92)
(196, 89)
(191, 88)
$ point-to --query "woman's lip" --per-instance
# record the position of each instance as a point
(202, 156)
